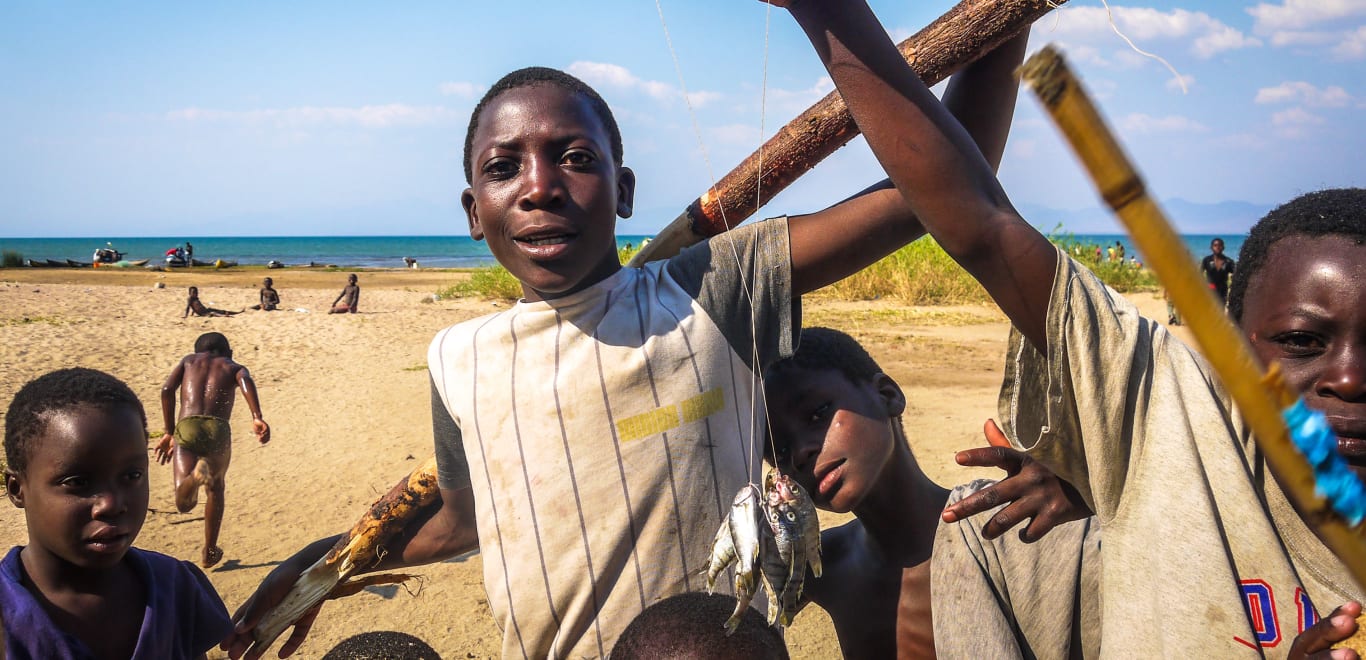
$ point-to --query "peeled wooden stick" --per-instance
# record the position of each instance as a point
(965, 33)
(1261, 396)
(362, 548)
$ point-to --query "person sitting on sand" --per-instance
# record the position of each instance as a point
(192, 304)
(349, 297)
(692, 625)
(270, 298)
(201, 441)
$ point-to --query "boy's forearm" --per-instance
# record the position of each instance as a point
(982, 97)
(446, 531)
(249, 393)
(168, 409)
(947, 182)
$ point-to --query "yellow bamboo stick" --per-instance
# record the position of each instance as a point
(1261, 396)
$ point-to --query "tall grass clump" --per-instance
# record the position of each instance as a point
(12, 259)
(918, 274)
(496, 283)
(491, 282)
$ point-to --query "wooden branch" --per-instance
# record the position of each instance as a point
(970, 30)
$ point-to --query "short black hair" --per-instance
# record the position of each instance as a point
(539, 75)
(825, 348)
(1335, 211)
(63, 389)
(382, 645)
(212, 342)
(692, 625)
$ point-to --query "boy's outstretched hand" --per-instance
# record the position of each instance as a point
(165, 448)
(1031, 490)
(1317, 642)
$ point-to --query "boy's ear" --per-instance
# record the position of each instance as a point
(472, 214)
(14, 489)
(626, 191)
(893, 399)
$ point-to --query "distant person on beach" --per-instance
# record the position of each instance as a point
(410, 262)
(349, 297)
(1119, 252)
(192, 304)
(1217, 269)
(189, 251)
(200, 442)
(270, 298)
(76, 450)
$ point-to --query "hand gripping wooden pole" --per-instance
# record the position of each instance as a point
(970, 30)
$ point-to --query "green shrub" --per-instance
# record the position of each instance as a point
(493, 282)
(13, 259)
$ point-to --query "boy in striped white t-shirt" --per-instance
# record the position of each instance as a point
(591, 437)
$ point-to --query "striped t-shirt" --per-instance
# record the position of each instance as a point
(605, 434)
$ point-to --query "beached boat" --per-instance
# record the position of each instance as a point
(197, 262)
(37, 263)
(224, 264)
(136, 264)
(77, 264)
(53, 263)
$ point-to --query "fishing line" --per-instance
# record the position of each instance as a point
(757, 380)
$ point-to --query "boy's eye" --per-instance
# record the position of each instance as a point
(135, 475)
(821, 412)
(500, 167)
(1298, 343)
(75, 483)
(578, 158)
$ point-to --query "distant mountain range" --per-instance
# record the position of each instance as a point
(1189, 217)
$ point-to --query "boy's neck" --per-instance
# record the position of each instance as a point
(50, 575)
(901, 512)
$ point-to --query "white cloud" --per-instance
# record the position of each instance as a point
(602, 74)
(1353, 45)
(1182, 84)
(792, 101)
(1143, 123)
(1296, 116)
(1300, 14)
(461, 89)
(1296, 91)
(370, 116)
(1207, 35)
(1302, 23)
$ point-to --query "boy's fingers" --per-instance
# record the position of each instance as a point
(990, 457)
(995, 437)
(301, 628)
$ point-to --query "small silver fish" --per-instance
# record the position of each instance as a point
(796, 497)
(738, 542)
(783, 563)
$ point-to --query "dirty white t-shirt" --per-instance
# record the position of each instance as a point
(1202, 553)
(605, 434)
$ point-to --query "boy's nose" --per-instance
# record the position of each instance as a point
(542, 184)
(1345, 376)
(109, 503)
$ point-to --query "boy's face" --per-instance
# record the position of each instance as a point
(545, 192)
(84, 493)
(833, 436)
(1306, 308)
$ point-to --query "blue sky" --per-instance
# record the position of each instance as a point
(121, 119)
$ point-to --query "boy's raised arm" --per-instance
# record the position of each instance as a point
(943, 176)
(258, 422)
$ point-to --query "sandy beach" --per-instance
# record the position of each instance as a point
(347, 399)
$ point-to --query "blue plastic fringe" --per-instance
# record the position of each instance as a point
(1334, 480)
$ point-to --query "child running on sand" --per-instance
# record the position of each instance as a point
(200, 441)
(76, 450)
(601, 427)
(898, 581)
(1137, 423)
(192, 304)
(351, 294)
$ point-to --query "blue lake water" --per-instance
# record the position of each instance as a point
(378, 251)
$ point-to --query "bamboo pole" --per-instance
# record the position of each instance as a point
(966, 32)
(1260, 396)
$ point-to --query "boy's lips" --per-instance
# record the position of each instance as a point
(828, 477)
(108, 539)
(544, 242)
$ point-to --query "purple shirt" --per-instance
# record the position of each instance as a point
(183, 618)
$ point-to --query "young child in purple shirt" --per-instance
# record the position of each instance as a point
(76, 463)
